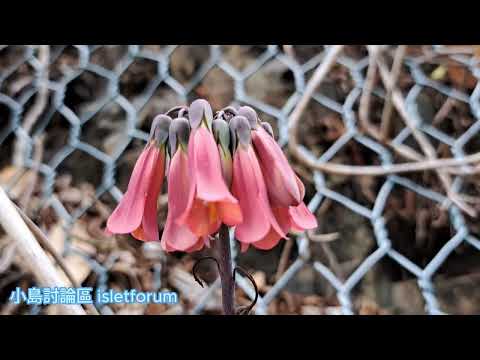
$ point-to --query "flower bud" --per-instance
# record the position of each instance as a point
(177, 111)
(240, 128)
(160, 128)
(227, 113)
(250, 114)
(200, 112)
(221, 132)
(268, 128)
(179, 133)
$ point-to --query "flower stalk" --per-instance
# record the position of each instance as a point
(224, 257)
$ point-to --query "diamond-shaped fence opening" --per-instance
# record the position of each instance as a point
(74, 118)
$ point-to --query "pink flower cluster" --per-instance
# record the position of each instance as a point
(226, 169)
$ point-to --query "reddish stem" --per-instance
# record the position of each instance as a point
(222, 245)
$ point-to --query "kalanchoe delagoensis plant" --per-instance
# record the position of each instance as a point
(223, 171)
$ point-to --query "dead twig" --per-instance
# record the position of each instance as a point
(420, 137)
(298, 152)
(316, 79)
(332, 261)
(283, 263)
(323, 238)
(444, 111)
(43, 240)
(40, 102)
(364, 108)
(7, 255)
(27, 246)
(30, 187)
(456, 49)
(387, 108)
(388, 169)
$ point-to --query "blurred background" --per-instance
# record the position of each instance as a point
(74, 119)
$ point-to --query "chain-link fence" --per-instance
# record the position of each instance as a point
(54, 102)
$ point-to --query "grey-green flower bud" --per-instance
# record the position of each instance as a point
(240, 129)
(200, 112)
(268, 128)
(159, 129)
(221, 132)
(179, 134)
(250, 114)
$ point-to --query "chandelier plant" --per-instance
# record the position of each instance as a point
(223, 171)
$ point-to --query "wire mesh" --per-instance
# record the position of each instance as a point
(92, 62)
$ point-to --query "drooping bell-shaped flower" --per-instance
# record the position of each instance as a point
(259, 226)
(285, 190)
(210, 202)
(178, 237)
(283, 186)
(137, 211)
(295, 219)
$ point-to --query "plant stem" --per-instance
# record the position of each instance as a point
(39, 264)
(222, 245)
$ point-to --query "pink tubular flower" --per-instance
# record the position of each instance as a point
(137, 211)
(177, 237)
(283, 186)
(295, 219)
(209, 201)
(259, 226)
(207, 157)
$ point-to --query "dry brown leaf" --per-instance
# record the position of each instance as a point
(126, 257)
(313, 300)
(132, 309)
(369, 307)
(260, 280)
(461, 77)
(53, 310)
(71, 195)
(8, 173)
(273, 307)
(310, 310)
(83, 247)
(175, 310)
(78, 266)
(156, 309)
(81, 232)
(56, 237)
(333, 310)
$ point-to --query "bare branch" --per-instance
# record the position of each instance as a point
(364, 109)
(39, 264)
(420, 137)
(387, 108)
(37, 108)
